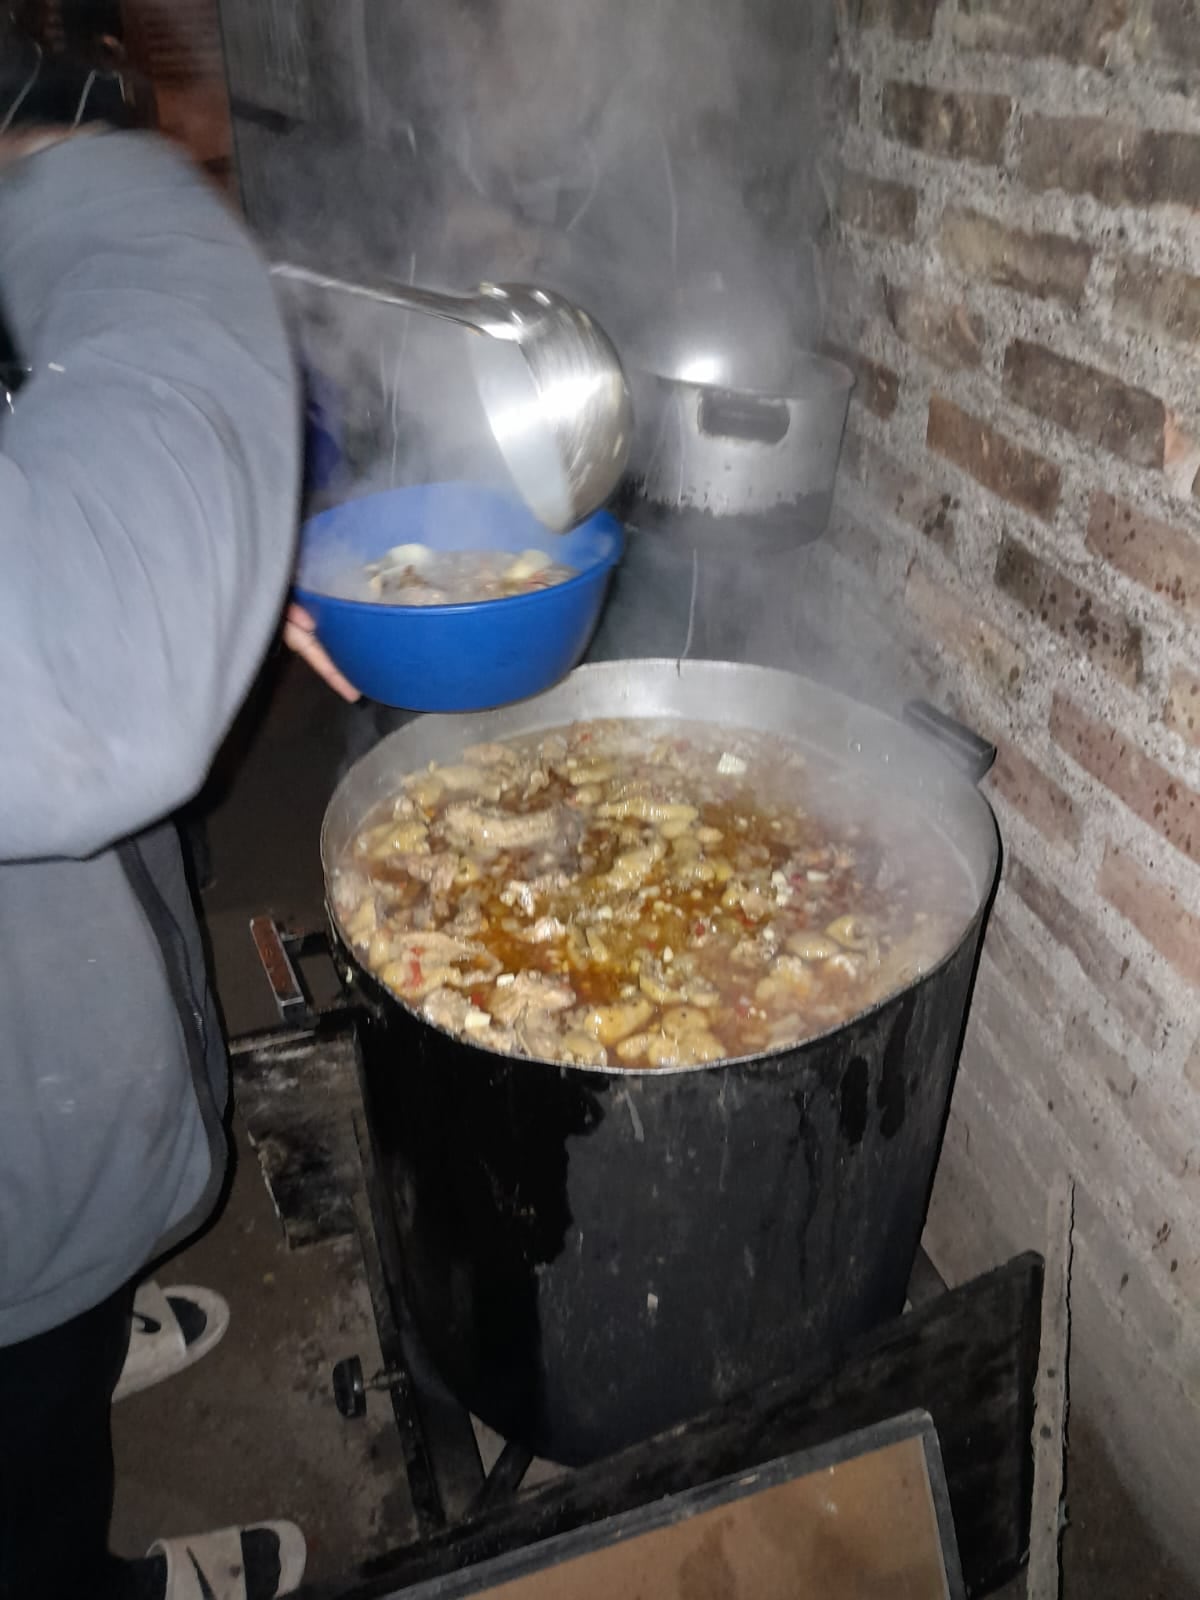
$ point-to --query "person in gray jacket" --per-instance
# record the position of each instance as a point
(148, 481)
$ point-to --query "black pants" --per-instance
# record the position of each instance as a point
(56, 1464)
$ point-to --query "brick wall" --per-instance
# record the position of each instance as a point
(1016, 281)
(177, 44)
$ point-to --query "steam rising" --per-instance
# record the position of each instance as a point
(626, 152)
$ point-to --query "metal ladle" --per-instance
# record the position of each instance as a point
(561, 415)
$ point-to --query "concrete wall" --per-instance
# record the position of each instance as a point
(1015, 277)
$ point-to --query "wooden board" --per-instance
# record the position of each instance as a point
(969, 1359)
(862, 1530)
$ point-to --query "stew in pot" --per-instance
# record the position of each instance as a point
(642, 894)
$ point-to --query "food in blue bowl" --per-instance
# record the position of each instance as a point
(394, 582)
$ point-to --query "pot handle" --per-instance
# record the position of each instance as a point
(971, 754)
(725, 415)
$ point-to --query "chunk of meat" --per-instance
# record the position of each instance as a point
(680, 988)
(642, 808)
(448, 1009)
(529, 991)
(632, 867)
(500, 830)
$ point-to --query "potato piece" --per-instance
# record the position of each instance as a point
(678, 1021)
(630, 868)
(612, 1024)
(363, 921)
(580, 1049)
(636, 1045)
(689, 1051)
(408, 839)
(527, 565)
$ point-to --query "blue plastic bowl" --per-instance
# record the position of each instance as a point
(459, 657)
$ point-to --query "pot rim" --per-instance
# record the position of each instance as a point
(835, 375)
(984, 872)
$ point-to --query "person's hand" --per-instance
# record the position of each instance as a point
(300, 635)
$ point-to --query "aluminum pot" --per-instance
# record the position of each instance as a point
(591, 1256)
(734, 464)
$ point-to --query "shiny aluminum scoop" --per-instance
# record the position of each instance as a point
(557, 401)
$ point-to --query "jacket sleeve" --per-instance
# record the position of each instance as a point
(148, 482)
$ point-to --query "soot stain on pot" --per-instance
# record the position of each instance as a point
(808, 1140)
(891, 1094)
(854, 1097)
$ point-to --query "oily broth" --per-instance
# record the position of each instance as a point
(644, 893)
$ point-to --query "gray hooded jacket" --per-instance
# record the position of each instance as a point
(148, 473)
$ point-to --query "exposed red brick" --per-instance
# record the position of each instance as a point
(1161, 558)
(1117, 163)
(1041, 801)
(1162, 801)
(1041, 264)
(1154, 910)
(945, 331)
(1099, 959)
(1007, 469)
(1094, 405)
(1158, 298)
(1106, 637)
(1182, 710)
(1075, 30)
(907, 19)
(875, 205)
(903, 493)
(968, 127)
(877, 387)
(946, 620)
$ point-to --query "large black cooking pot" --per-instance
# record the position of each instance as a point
(591, 1256)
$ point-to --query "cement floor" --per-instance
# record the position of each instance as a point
(252, 1430)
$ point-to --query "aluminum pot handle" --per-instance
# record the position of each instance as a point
(971, 754)
(726, 415)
